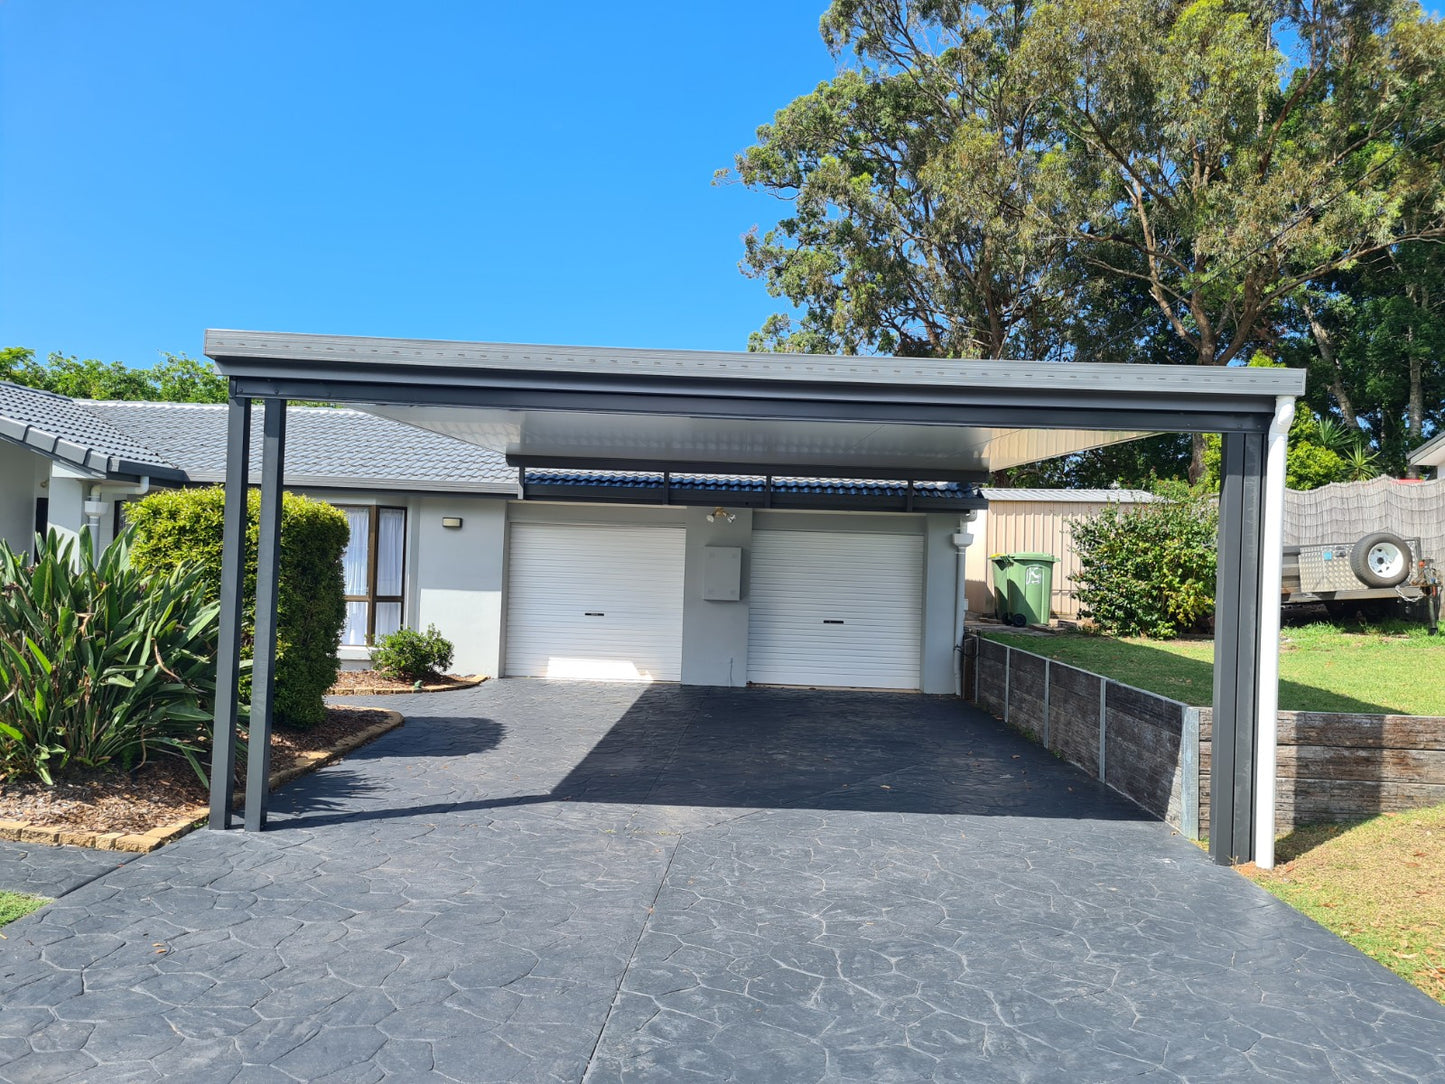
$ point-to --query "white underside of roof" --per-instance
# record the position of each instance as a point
(866, 448)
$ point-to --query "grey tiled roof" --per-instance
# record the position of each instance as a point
(69, 431)
(325, 446)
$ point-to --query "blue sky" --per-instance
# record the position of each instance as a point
(510, 172)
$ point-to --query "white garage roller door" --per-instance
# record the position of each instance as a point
(835, 609)
(595, 602)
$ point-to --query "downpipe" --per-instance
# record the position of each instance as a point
(1271, 569)
(961, 539)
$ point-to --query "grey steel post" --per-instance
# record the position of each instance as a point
(263, 664)
(1103, 726)
(233, 582)
(1236, 649)
(1189, 773)
(1048, 681)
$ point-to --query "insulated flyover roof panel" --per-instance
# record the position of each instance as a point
(619, 409)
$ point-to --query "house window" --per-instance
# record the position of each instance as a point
(372, 566)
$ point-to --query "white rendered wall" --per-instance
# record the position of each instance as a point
(67, 504)
(715, 634)
(940, 571)
(458, 576)
(17, 495)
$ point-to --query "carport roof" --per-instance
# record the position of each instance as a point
(632, 409)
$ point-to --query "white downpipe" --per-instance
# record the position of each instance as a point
(1270, 571)
(962, 539)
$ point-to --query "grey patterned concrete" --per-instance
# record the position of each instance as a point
(51, 872)
(549, 882)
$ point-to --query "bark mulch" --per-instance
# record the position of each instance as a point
(161, 791)
(373, 682)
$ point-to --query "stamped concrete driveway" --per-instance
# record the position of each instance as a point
(534, 881)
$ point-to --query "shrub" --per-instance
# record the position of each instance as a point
(101, 664)
(412, 655)
(1149, 570)
(178, 526)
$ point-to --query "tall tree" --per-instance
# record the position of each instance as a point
(1226, 175)
(176, 379)
(1020, 178)
(917, 225)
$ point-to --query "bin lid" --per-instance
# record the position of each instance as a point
(1049, 557)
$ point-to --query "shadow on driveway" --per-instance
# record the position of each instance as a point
(676, 745)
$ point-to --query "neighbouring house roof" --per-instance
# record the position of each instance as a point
(68, 432)
(325, 447)
(1430, 454)
(1070, 496)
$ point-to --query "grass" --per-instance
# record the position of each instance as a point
(1379, 884)
(1392, 668)
(15, 905)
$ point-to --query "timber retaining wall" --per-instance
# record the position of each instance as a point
(1156, 751)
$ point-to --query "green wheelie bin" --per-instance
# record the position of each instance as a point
(1023, 585)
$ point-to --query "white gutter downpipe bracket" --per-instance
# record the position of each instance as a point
(1270, 572)
(962, 539)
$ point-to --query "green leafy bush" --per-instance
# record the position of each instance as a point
(411, 655)
(1149, 570)
(101, 664)
(179, 526)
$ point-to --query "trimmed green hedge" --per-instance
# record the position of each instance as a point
(174, 526)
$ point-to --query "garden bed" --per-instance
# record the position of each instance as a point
(375, 683)
(141, 810)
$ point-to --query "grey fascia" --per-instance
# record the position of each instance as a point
(232, 350)
(89, 460)
(407, 485)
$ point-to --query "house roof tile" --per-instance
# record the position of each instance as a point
(325, 446)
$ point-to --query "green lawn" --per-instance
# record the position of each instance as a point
(1393, 669)
(1379, 884)
(15, 905)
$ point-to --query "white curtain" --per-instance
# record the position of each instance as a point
(391, 543)
(354, 632)
(358, 551)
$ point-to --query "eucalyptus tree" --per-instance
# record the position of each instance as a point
(1153, 179)
(917, 224)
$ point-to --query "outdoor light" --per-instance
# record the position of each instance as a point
(452, 522)
(721, 513)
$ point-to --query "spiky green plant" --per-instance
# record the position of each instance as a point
(101, 664)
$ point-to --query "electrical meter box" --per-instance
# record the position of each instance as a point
(722, 573)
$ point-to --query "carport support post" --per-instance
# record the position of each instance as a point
(263, 664)
(1236, 649)
(233, 582)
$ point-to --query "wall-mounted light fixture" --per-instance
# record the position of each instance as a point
(721, 513)
(451, 523)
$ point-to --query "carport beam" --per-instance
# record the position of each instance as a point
(263, 666)
(233, 579)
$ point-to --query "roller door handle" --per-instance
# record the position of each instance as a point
(594, 613)
(832, 620)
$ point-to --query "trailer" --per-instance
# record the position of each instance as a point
(1380, 567)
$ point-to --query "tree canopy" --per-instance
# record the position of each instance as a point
(1190, 182)
(176, 379)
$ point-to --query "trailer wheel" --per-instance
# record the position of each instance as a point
(1380, 560)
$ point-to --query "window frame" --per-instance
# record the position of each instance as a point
(373, 556)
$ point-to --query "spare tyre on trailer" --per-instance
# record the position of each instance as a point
(1381, 559)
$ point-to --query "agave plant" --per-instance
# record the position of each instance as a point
(100, 664)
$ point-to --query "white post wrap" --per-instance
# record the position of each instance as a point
(962, 539)
(1270, 571)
